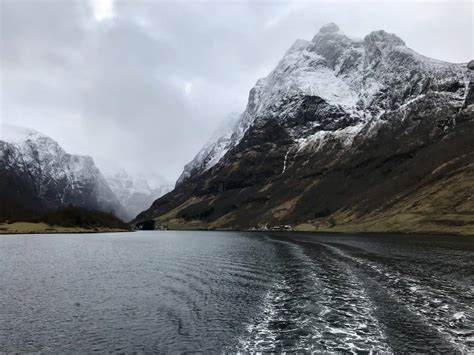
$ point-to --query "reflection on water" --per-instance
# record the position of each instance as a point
(229, 291)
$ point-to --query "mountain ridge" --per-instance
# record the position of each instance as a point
(330, 41)
(335, 111)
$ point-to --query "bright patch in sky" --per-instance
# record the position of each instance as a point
(103, 9)
(188, 87)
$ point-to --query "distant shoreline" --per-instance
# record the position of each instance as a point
(469, 232)
(43, 228)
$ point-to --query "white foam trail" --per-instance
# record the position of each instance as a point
(448, 319)
(310, 314)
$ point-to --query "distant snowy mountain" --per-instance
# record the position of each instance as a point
(37, 174)
(220, 142)
(135, 193)
(343, 130)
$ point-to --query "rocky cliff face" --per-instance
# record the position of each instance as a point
(37, 175)
(343, 134)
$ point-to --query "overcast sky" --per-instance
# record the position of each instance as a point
(145, 83)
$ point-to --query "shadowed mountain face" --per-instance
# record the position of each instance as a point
(343, 134)
(37, 175)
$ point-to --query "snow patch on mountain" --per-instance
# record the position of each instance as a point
(303, 72)
(18, 135)
(316, 141)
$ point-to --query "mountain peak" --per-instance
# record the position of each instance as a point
(357, 80)
(331, 34)
(382, 37)
(329, 28)
(16, 134)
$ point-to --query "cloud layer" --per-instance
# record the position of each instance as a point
(144, 83)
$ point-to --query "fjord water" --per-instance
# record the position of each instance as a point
(229, 291)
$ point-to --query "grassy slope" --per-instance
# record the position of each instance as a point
(444, 206)
(68, 219)
(40, 227)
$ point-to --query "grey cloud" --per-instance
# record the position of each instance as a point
(147, 87)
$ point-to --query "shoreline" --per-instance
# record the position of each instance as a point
(469, 232)
(43, 228)
(384, 233)
(2, 233)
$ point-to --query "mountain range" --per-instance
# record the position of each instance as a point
(37, 175)
(344, 134)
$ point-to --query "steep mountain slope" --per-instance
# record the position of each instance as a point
(134, 192)
(343, 134)
(36, 175)
(225, 137)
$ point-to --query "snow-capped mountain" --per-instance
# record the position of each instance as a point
(37, 174)
(342, 127)
(356, 80)
(135, 193)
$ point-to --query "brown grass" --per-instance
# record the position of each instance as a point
(41, 228)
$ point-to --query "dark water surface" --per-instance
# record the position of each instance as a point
(218, 291)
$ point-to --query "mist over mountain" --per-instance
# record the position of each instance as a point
(135, 193)
(344, 134)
